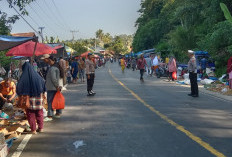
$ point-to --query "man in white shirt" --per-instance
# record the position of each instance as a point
(155, 64)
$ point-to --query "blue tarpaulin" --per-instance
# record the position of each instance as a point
(7, 42)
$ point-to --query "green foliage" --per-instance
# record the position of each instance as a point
(226, 12)
(174, 26)
(20, 5)
(164, 48)
(99, 34)
(78, 46)
(117, 45)
(5, 25)
(4, 29)
(219, 43)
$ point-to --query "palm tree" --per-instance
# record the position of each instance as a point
(99, 34)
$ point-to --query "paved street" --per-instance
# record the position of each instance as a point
(122, 120)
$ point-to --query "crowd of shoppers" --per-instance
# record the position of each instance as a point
(39, 84)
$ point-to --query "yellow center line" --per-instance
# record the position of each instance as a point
(177, 126)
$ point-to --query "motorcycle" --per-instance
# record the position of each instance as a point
(161, 71)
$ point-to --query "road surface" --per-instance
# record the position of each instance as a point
(127, 118)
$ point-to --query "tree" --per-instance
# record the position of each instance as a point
(174, 26)
(4, 29)
(99, 34)
(79, 46)
(5, 24)
(20, 5)
(117, 45)
(226, 12)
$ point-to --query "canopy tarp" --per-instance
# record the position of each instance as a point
(201, 53)
(7, 42)
(85, 54)
(60, 48)
(27, 49)
(69, 49)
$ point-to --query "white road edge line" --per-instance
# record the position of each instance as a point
(22, 145)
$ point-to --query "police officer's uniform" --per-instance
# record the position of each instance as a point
(192, 68)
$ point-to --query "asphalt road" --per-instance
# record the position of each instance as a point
(134, 119)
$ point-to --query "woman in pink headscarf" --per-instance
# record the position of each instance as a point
(229, 71)
(171, 67)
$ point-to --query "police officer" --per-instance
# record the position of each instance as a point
(192, 68)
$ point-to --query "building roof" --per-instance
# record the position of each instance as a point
(29, 34)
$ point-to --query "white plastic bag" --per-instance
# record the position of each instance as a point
(45, 113)
(186, 76)
(221, 78)
(206, 81)
(224, 90)
(187, 81)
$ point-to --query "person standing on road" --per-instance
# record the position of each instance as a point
(133, 63)
(74, 70)
(141, 66)
(148, 60)
(90, 74)
(229, 71)
(62, 64)
(171, 67)
(123, 64)
(33, 85)
(52, 84)
(155, 64)
(81, 67)
(192, 68)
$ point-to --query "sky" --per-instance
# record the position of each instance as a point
(59, 17)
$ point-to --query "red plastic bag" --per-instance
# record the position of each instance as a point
(174, 76)
(58, 101)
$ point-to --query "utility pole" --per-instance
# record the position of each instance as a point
(41, 33)
(73, 31)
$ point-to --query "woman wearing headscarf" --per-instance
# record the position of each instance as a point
(171, 67)
(229, 71)
(33, 85)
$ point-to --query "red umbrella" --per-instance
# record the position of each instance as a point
(85, 54)
(27, 50)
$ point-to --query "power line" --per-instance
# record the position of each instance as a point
(60, 14)
(33, 20)
(58, 19)
(48, 14)
(25, 20)
(42, 20)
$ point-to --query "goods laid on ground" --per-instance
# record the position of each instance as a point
(219, 88)
(12, 124)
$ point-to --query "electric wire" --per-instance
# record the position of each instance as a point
(65, 29)
(26, 21)
(42, 19)
(50, 18)
(60, 14)
(48, 15)
(55, 15)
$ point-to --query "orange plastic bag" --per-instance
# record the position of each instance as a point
(58, 101)
(174, 76)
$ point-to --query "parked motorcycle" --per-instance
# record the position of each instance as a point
(161, 71)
